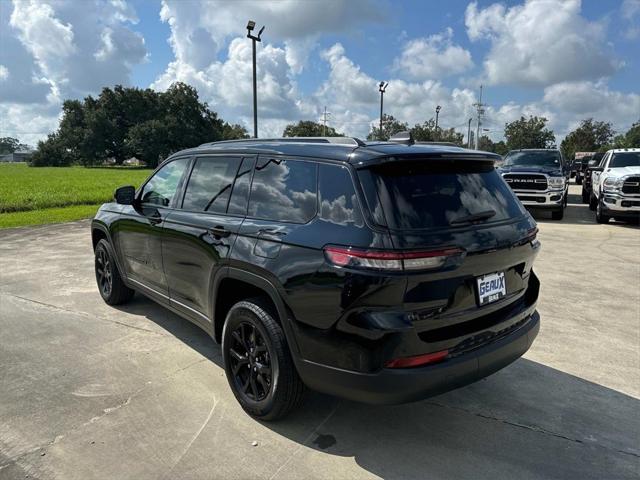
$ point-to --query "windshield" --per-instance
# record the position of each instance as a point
(412, 195)
(541, 158)
(625, 159)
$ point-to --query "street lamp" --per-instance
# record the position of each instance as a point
(469, 134)
(381, 88)
(437, 113)
(250, 26)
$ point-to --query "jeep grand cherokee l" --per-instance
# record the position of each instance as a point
(381, 272)
(539, 179)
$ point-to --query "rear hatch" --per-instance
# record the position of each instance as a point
(464, 209)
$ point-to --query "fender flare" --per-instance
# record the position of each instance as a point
(96, 225)
(270, 289)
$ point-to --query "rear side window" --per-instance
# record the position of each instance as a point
(210, 184)
(410, 195)
(284, 190)
(338, 203)
(240, 193)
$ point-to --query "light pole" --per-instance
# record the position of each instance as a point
(437, 114)
(469, 134)
(381, 88)
(250, 26)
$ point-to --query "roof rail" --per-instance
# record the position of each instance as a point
(336, 140)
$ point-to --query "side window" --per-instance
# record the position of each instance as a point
(162, 187)
(209, 186)
(284, 190)
(240, 193)
(338, 202)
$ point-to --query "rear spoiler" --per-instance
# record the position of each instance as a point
(439, 157)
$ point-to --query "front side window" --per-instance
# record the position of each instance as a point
(210, 184)
(284, 190)
(162, 187)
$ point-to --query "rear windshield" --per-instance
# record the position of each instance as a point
(625, 159)
(539, 159)
(414, 195)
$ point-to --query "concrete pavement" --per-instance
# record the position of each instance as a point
(91, 391)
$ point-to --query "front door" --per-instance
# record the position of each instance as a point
(139, 231)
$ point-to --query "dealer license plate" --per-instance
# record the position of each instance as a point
(491, 288)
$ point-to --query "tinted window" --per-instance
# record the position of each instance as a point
(625, 159)
(162, 187)
(284, 190)
(240, 192)
(541, 158)
(209, 186)
(416, 195)
(338, 203)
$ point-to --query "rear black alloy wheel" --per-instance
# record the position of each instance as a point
(250, 362)
(258, 362)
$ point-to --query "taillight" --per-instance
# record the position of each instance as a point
(532, 237)
(418, 360)
(386, 260)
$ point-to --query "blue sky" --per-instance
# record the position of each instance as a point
(563, 59)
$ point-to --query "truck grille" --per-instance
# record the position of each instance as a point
(519, 181)
(631, 185)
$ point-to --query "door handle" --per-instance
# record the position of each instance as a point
(219, 232)
(271, 231)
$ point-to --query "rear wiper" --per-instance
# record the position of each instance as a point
(474, 217)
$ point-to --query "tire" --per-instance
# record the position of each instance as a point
(258, 363)
(600, 217)
(557, 214)
(110, 284)
(593, 202)
(585, 196)
(578, 180)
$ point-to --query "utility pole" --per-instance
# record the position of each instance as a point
(381, 88)
(324, 121)
(437, 113)
(469, 133)
(250, 26)
(480, 111)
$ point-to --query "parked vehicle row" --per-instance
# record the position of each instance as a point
(382, 272)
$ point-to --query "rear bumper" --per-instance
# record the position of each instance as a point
(393, 386)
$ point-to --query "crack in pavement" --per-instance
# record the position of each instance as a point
(84, 314)
(533, 428)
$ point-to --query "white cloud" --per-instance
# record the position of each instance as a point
(540, 43)
(435, 56)
(4, 73)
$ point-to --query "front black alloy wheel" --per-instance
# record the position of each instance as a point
(110, 284)
(258, 362)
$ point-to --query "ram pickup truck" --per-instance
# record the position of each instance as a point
(539, 178)
(615, 186)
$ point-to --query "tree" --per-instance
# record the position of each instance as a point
(51, 152)
(488, 145)
(307, 128)
(10, 145)
(631, 139)
(390, 126)
(528, 133)
(590, 136)
(233, 132)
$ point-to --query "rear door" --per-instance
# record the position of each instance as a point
(201, 232)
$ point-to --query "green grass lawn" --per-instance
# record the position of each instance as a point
(37, 195)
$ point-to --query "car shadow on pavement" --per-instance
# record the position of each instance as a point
(526, 418)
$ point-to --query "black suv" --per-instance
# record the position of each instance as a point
(539, 177)
(381, 272)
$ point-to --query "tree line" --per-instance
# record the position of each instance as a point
(130, 122)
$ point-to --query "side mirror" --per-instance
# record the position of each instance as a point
(125, 195)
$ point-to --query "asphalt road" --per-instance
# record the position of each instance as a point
(90, 391)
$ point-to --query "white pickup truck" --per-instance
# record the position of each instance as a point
(615, 191)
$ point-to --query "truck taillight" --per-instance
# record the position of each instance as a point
(389, 260)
